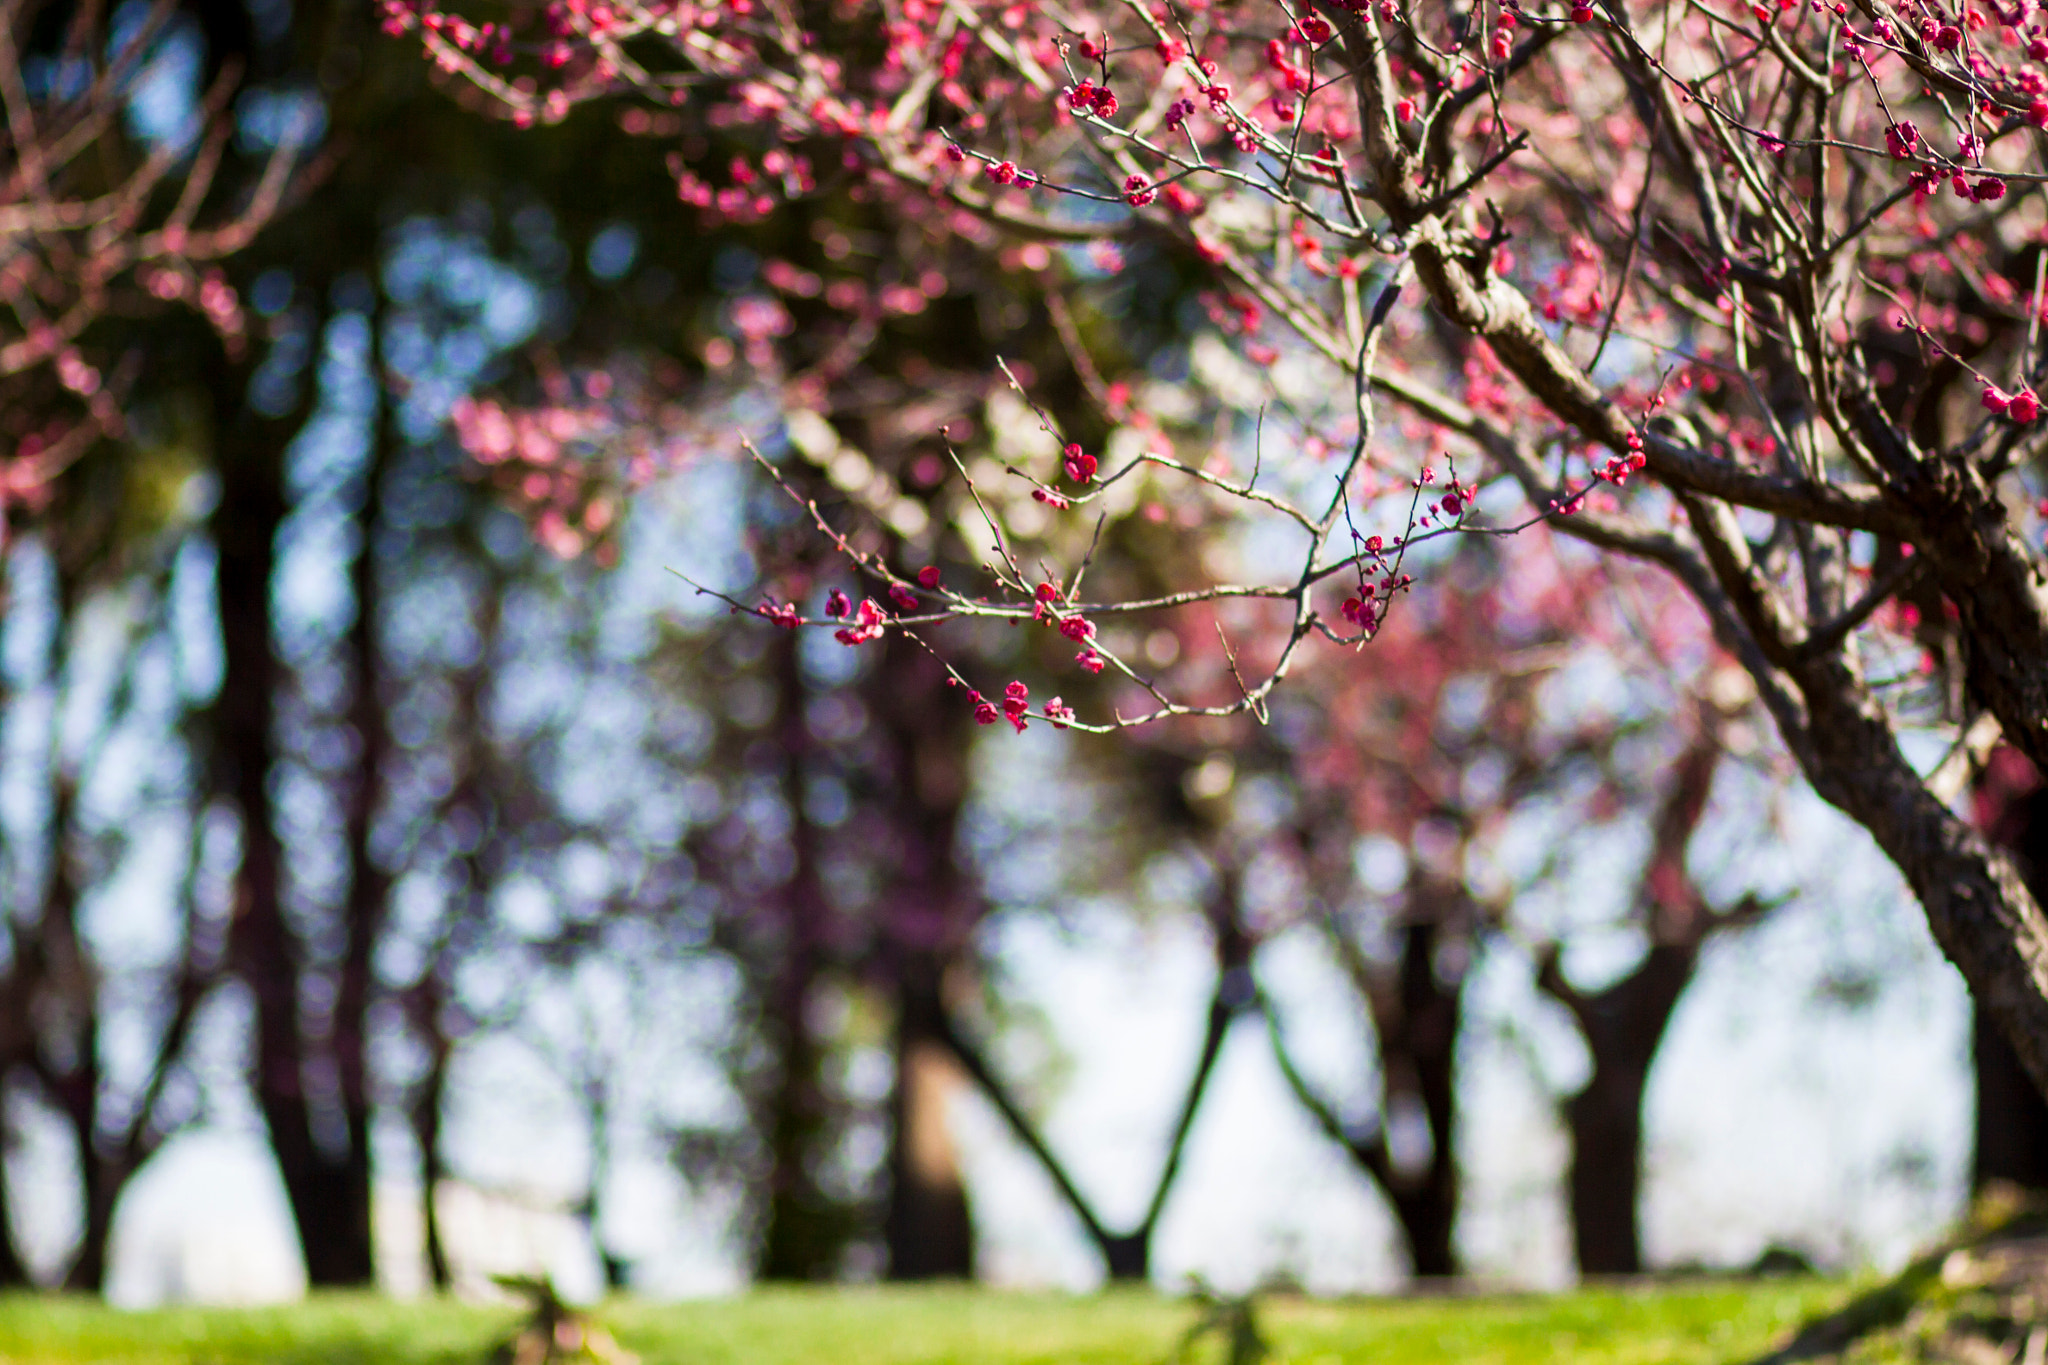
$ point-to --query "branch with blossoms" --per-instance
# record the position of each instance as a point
(93, 226)
(1783, 260)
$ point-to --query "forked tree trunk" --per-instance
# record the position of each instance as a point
(1622, 1027)
(1417, 1012)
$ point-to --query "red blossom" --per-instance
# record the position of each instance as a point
(867, 624)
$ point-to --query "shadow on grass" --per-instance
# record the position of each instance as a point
(1984, 1287)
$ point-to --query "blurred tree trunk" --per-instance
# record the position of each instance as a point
(1424, 1073)
(325, 1173)
(1417, 1008)
(930, 909)
(1127, 1255)
(13, 1270)
(2012, 1118)
(17, 1047)
(1622, 1027)
(102, 1174)
(929, 1228)
(804, 1230)
(68, 1061)
(589, 1210)
(423, 1112)
(1623, 1024)
(369, 884)
(59, 991)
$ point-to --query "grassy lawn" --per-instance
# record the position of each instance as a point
(1705, 1322)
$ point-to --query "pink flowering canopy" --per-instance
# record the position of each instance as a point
(93, 226)
(1750, 291)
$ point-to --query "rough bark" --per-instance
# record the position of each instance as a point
(2011, 1145)
(2012, 1119)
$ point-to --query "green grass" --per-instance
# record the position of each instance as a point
(1683, 1323)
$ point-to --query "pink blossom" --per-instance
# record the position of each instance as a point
(867, 624)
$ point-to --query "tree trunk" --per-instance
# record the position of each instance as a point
(929, 1229)
(2012, 1119)
(1622, 1027)
(76, 1092)
(1428, 1218)
(1416, 1014)
(804, 1229)
(1419, 1054)
(423, 1112)
(13, 1270)
(803, 1236)
(1606, 1124)
(348, 1168)
(932, 909)
(328, 1191)
(1606, 1173)
(104, 1181)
